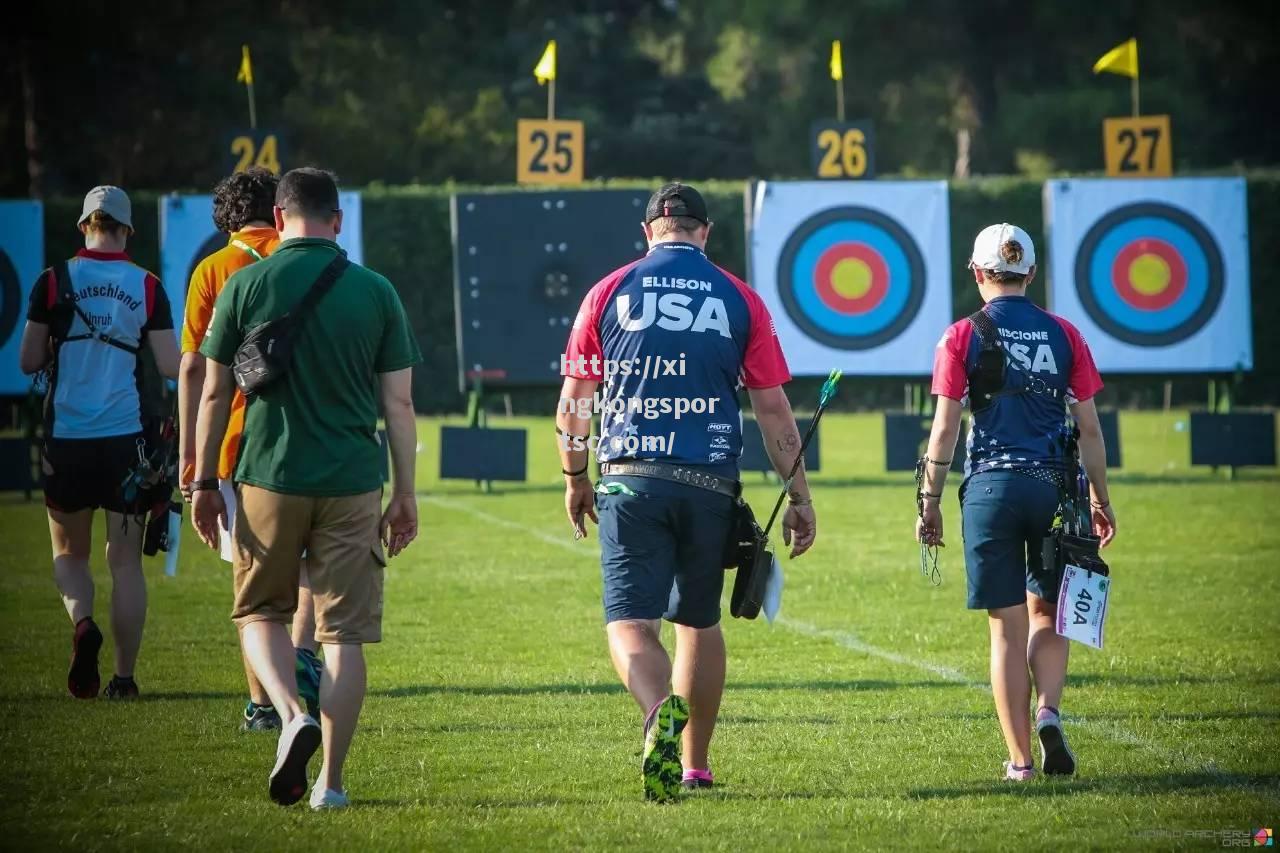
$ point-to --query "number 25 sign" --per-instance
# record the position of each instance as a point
(1137, 147)
(548, 152)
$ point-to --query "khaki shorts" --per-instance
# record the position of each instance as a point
(345, 561)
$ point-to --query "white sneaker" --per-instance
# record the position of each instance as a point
(298, 742)
(327, 798)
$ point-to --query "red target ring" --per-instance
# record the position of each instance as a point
(1149, 274)
(851, 278)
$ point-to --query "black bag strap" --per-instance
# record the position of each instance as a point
(323, 284)
(989, 337)
(62, 280)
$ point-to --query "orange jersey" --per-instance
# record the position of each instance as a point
(207, 280)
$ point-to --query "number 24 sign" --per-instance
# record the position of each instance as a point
(1137, 147)
(548, 152)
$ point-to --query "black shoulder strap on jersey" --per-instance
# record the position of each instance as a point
(67, 303)
(987, 381)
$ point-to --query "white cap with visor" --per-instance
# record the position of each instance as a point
(986, 249)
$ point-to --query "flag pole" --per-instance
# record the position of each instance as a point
(253, 112)
(840, 98)
(1133, 91)
(551, 99)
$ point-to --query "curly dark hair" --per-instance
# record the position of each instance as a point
(243, 197)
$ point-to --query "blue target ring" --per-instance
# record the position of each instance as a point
(851, 278)
(1149, 274)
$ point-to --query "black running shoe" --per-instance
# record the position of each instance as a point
(83, 680)
(121, 688)
(260, 718)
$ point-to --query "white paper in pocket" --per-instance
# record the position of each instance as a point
(773, 592)
(1082, 605)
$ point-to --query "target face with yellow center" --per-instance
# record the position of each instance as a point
(851, 278)
(1149, 274)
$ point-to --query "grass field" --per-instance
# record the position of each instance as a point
(862, 720)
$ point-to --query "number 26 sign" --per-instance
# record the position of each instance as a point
(548, 152)
(842, 150)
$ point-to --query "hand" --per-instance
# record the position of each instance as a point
(929, 525)
(187, 465)
(579, 501)
(208, 510)
(399, 524)
(1104, 523)
(799, 528)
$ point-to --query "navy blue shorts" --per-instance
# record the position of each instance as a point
(1005, 518)
(661, 551)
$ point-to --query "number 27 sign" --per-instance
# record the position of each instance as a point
(1137, 147)
(548, 152)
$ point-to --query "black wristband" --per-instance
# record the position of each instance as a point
(938, 463)
(577, 473)
(1102, 505)
(208, 484)
(561, 432)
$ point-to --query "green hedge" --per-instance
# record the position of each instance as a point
(407, 238)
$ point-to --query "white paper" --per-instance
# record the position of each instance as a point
(773, 591)
(224, 534)
(1082, 606)
(175, 539)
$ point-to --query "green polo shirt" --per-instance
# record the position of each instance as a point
(314, 432)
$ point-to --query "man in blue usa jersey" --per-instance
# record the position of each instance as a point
(672, 337)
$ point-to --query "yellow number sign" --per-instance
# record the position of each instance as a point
(255, 148)
(1137, 147)
(548, 152)
(842, 150)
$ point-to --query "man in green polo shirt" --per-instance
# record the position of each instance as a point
(309, 472)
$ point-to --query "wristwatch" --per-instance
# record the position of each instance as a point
(208, 484)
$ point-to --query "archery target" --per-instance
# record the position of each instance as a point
(188, 236)
(851, 278)
(1149, 274)
(854, 274)
(1157, 278)
(21, 261)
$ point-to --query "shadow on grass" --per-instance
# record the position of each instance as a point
(411, 690)
(1207, 783)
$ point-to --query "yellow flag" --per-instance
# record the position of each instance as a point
(837, 66)
(1121, 59)
(246, 67)
(546, 68)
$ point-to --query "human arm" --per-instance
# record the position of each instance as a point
(574, 425)
(399, 524)
(190, 384)
(207, 507)
(164, 346)
(34, 352)
(782, 442)
(941, 450)
(1093, 456)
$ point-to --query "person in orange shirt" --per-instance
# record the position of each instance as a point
(242, 208)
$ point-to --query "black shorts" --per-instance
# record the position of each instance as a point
(87, 473)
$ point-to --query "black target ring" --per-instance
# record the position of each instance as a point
(1097, 268)
(896, 285)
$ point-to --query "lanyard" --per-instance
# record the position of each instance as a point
(240, 244)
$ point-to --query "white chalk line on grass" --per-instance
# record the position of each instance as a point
(847, 640)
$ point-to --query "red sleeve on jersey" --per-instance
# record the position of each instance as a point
(150, 283)
(763, 364)
(583, 355)
(950, 376)
(1085, 381)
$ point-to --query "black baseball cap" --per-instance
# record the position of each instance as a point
(676, 199)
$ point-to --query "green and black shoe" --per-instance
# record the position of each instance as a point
(260, 718)
(660, 767)
(308, 668)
